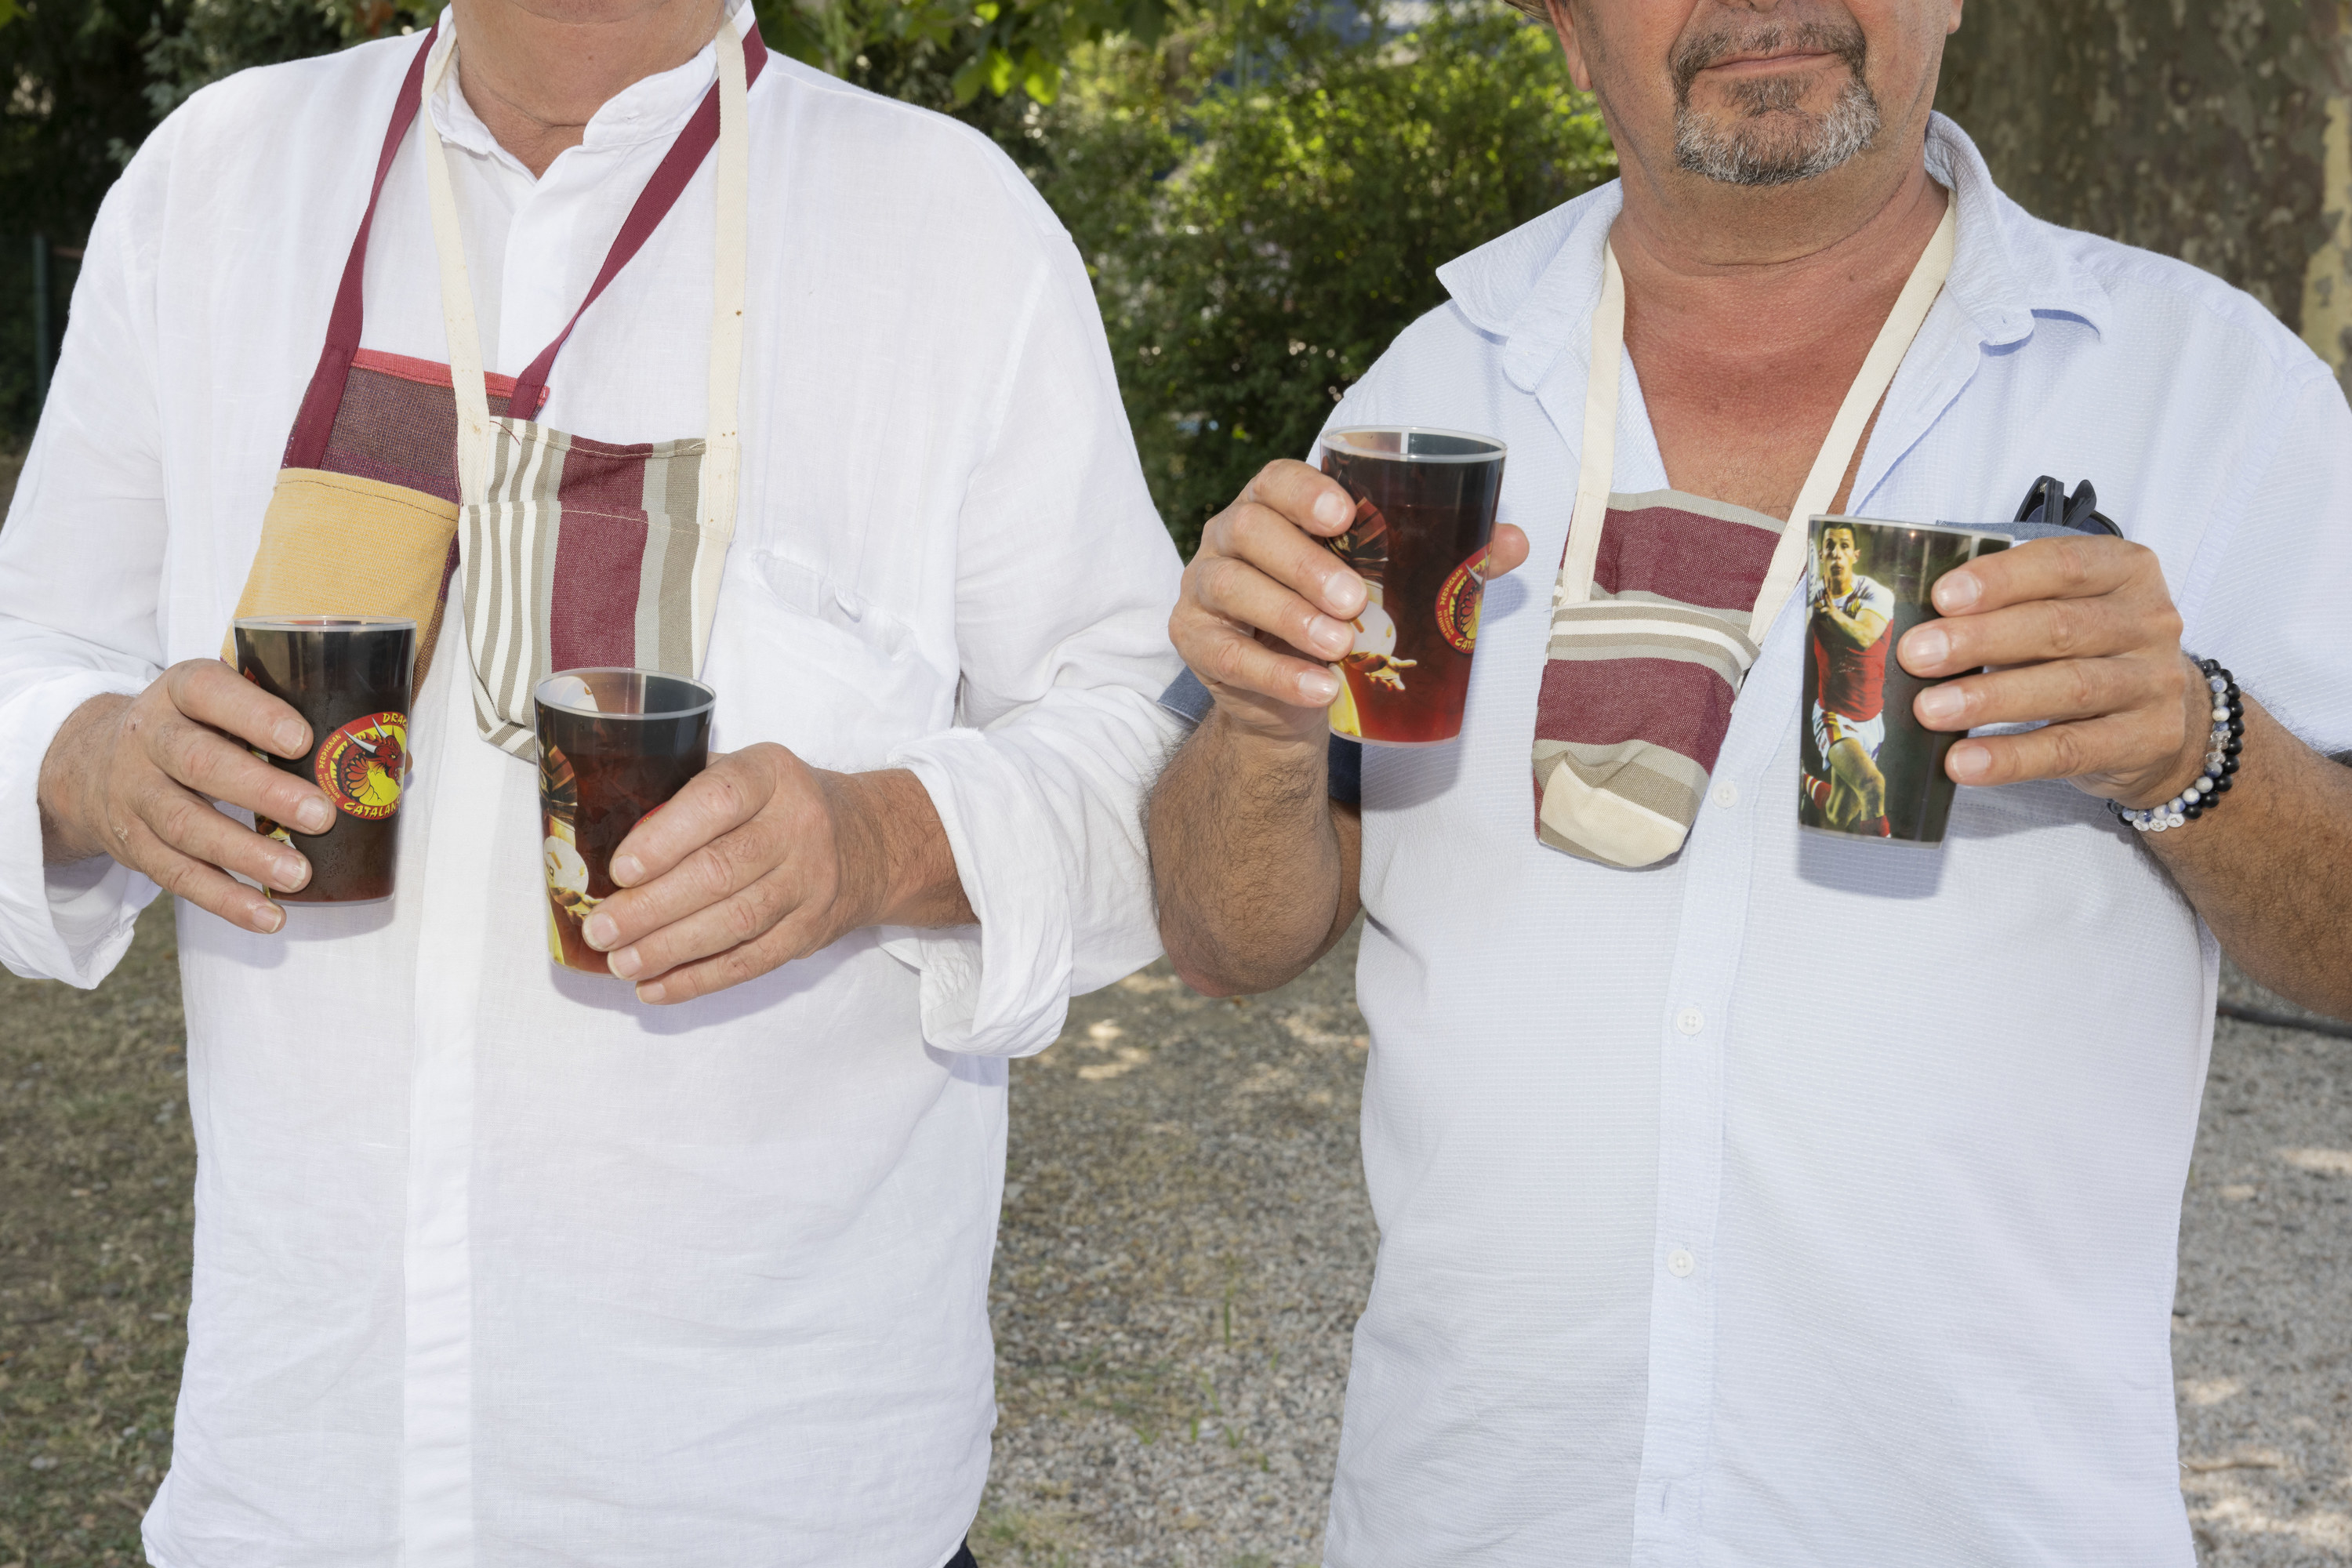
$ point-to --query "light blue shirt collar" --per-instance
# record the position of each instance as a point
(1536, 287)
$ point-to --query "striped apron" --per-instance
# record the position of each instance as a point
(1662, 603)
(404, 482)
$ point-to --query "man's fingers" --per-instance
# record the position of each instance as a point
(739, 924)
(212, 765)
(1307, 496)
(1233, 590)
(205, 886)
(212, 693)
(186, 824)
(2039, 630)
(1506, 551)
(2109, 745)
(2063, 690)
(1223, 657)
(2043, 569)
(1269, 543)
(725, 796)
(710, 876)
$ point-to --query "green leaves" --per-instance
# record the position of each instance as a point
(1256, 247)
(949, 53)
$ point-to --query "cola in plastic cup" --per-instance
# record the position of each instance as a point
(614, 746)
(349, 677)
(1424, 512)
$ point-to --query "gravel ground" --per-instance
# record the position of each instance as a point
(1184, 1250)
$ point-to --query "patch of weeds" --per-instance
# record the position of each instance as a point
(1028, 1537)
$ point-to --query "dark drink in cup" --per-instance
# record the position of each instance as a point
(614, 746)
(348, 675)
(1425, 511)
(1870, 768)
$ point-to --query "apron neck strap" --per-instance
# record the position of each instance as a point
(306, 448)
(723, 119)
(1596, 471)
(661, 193)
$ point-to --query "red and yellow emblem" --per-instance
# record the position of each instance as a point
(362, 764)
(1457, 603)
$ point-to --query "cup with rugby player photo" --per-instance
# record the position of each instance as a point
(1869, 769)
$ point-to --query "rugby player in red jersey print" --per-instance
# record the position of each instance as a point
(1848, 633)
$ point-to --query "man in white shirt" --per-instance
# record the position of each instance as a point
(532, 1269)
(1670, 1272)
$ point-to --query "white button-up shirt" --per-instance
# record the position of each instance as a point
(493, 1264)
(1805, 1201)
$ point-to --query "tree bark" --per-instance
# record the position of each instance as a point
(2215, 130)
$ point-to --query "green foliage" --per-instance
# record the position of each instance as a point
(946, 54)
(194, 42)
(1257, 246)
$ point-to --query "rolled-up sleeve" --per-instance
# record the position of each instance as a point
(81, 570)
(1065, 580)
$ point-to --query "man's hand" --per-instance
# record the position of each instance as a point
(2082, 632)
(135, 777)
(762, 859)
(1265, 603)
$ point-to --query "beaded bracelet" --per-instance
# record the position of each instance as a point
(2222, 749)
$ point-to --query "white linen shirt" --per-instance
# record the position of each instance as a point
(494, 1266)
(1803, 1201)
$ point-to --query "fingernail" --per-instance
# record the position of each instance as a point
(1328, 636)
(1956, 592)
(1969, 764)
(314, 816)
(292, 737)
(1331, 511)
(651, 990)
(272, 918)
(602, 930)
(625, 963)
(1345, 592)
(1940, 704)
(627, 870)
(1318, 690)
(291, 873)
(1927, 648)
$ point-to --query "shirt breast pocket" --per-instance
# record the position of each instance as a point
(806, 662)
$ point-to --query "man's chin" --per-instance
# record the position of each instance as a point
(1775, 149)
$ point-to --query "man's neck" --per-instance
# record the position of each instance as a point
(537, 72)
(1750, 312)
(1790, 256)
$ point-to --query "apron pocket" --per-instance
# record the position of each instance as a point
(336, 544)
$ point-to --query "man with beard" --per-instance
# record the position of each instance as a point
(1677, 1265)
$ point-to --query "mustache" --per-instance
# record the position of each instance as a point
(1844, 40)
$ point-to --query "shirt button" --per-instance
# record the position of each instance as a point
(1679, 1263)
(1690, 1020)
(1727, 794)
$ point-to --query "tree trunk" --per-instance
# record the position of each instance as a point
(2215, 130)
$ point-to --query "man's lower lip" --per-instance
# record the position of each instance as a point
(1771, 63)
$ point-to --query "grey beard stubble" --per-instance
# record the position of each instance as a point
(1754, 150)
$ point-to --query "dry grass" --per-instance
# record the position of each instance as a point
(96, 1169)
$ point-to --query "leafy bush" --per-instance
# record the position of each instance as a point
(1256, 242)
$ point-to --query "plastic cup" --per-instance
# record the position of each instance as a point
(1870, 768)
(1424, 512)
(614, 746)
(349, 677)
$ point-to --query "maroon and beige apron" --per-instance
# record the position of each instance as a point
(1662, 604)
(404, 481)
